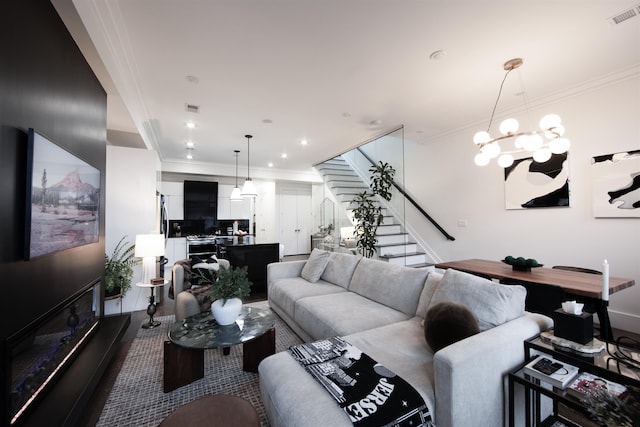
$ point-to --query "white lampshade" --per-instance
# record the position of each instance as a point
(249, 189)
(347, 232)
(481, 137)
(505, 160)
(550, 121)
(236, 195)
(542, 155)
(509, 126)
(491, 150)
(149, 245)
(482, 159)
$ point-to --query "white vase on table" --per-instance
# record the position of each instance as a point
(228, 313)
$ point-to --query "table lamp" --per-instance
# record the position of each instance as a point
(148, 247)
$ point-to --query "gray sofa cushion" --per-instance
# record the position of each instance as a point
(430, 286)
(341, 314)
(340, 268)
(315, 265)
(393, 285)
(492, 304)
(285, 292)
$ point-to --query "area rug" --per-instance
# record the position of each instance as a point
(137, 399)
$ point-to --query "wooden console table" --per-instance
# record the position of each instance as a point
(585, 285)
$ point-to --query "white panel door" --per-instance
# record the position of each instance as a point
(295, 223)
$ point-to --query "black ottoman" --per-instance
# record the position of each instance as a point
(215, 410)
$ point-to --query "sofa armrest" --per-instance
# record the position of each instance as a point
(470, 374)
(280, 270)
(177, 278)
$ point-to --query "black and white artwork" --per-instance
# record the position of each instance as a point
(529, 184)
(616, 185)
(62, 199)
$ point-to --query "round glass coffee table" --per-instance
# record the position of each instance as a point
(184, 352)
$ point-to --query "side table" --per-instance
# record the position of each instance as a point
(603, 364)
(151, 308)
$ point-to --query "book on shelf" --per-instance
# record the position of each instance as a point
(587, 384)
(549, 370)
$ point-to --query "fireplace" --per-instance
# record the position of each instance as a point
(41, 352)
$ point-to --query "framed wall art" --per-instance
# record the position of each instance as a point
(616, 185)
(528, 184)
(62, 203)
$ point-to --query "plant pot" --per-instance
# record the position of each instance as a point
(228, 313)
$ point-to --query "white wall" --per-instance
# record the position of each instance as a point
(130, 195)
(446, 182)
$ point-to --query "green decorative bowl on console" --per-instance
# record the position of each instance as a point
(521, 263)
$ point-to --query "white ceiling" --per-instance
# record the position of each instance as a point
(325, 70)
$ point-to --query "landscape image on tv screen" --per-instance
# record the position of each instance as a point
(63, 194)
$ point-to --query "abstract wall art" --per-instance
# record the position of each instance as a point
(616, 185)
(529, 184)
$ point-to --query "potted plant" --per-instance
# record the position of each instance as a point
(231, 285)
(367, 215)
(118, 269)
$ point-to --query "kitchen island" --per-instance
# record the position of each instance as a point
(256, 256)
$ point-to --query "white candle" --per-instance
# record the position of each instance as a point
(605, 281)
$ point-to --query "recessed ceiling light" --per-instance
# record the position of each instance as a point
(284, 155)
(270, 165)
(190, 125)
(189, 156)
(190, 144)
(438, 55)
(268, 121)
(304, 141)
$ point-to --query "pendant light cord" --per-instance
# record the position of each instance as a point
(498, 98)
(248, 156)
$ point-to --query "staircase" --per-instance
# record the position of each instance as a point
(394, 244)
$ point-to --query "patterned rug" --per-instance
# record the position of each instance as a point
(137, 399)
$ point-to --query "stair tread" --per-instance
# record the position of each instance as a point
(419, 265)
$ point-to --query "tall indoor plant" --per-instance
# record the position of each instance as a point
(367, 215)
(118, 268)
(226, 291)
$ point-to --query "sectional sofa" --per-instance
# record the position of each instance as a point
(380, 308)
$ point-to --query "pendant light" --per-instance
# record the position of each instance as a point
(235, 194)
(523, 141)
(249, 188)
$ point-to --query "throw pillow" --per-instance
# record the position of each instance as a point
(447, 323)
(491, 303)
(315, 265)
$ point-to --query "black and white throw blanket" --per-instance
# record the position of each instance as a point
(369, 393)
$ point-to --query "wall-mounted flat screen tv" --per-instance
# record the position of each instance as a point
(63, 199)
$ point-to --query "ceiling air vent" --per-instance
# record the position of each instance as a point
(192, 108)
(625, 15)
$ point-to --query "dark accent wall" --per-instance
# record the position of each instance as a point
(46, 84)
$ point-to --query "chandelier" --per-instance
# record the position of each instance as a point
(542, 143)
